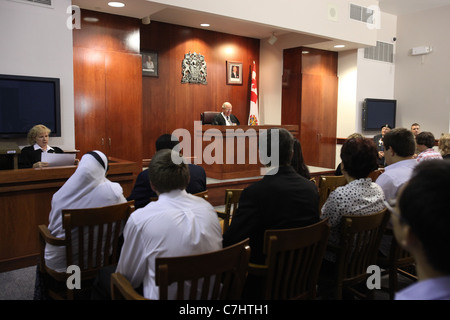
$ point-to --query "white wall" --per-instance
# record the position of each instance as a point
(311, 17)
(35, 41)
(422, 83)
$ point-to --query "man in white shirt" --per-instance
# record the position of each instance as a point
(421, 224)
(177, 224)
(399, 147)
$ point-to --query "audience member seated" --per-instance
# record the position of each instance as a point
(38, 138)
(378, 139)
(360, 196)
(444, 146)
(225, 118)
(338, 171)
(298, 162)
(399, 146)
(425, 144)
(88, 187)
(421, 223)
(281, 199)
(177, 224)
(142, 192)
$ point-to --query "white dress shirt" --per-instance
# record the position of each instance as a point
(394, 176)
(178, 224)
(430, 289)
(227, 120)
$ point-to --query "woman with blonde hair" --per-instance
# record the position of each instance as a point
(38, 138)
(444, 146)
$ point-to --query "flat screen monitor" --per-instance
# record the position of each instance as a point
(26, 101)
(378, 112)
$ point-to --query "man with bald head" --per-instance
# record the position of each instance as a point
(225, 118)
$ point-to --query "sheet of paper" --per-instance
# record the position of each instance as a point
(58, 159)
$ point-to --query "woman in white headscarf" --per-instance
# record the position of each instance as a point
(88, 187)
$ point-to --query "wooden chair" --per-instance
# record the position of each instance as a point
(217, 275)
(232, 197)
(98, 231)
(328, 184)
(375, 174)
(394, 264)
(293, 261)
(203, 194)
(358, 249)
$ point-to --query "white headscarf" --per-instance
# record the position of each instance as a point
(88, 187)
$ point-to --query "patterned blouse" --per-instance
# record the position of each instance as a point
(359, 197)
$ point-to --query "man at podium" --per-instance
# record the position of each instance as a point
(225, 118)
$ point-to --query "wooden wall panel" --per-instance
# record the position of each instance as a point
(167, 103)
(108, 86)
(309, 99)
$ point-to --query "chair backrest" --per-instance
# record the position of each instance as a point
(121, 288)
(203, 194)
(375, 174)
(232, 197)
(359, 244)
(293, 261)
(218, 275)
(328, 184)
(97, 231)
(207, 116)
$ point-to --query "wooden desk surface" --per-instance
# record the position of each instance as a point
(25, 202)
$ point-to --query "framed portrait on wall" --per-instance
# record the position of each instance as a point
(150, 63)
(234, 72)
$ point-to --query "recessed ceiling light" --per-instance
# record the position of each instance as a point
(116, 4)
(204, 24)
(340, 46)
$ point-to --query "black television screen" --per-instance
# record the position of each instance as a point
(378, 112)
(26, 101)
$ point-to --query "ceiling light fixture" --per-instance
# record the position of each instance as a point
(272, 39)
(146, 20)
(116, 4)
(339, 46)
(205, 24)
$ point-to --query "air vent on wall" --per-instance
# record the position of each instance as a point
(45, 3)
(362, 14)
(381, 52)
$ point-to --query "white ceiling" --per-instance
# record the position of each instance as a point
(179, 16)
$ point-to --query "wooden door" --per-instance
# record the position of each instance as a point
(318, 119)
(123, 90)
(89, 100)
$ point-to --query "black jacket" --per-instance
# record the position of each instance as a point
(28, 156)
(280, 201)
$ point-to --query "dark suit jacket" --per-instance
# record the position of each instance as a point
(380, 147)
(219, 120)
(280, 201)
(28, 156)
(142, 192)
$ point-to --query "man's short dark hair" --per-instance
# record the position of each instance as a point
(426, 138)
(423, 204)
(166, 141)
(165, 174)
(284, 144)
(401, 140)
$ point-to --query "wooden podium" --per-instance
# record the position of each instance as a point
(230, 152)
(25, 202)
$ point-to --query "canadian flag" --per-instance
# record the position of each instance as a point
(253, 117)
